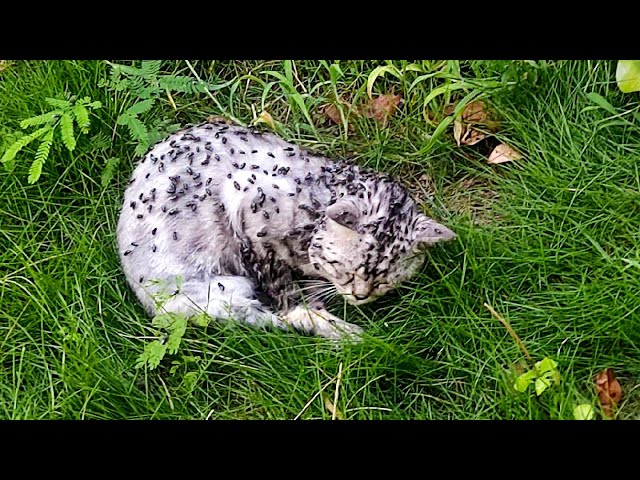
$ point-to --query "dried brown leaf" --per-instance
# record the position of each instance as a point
(458, 129)
(472, 136)
(328, 404)
(448, 109)
(504, 153)
(608, 390)
(476, 113)
(382, 107)
(332, 112)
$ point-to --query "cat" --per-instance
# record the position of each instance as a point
(242, 225)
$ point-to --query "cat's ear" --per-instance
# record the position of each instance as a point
(428, 232)
(343, 212)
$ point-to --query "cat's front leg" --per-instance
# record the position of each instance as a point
(318, 321)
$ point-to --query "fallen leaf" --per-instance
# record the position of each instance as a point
(328, 404)
(476, 113)
(472, 136)
(218, 119)
(466, 135)
(608, 390)
(382, 107)
(458, 128)
(448, 109)
(265, 117)
(332, 112)
(504, 153)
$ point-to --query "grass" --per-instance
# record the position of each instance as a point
(552, 243)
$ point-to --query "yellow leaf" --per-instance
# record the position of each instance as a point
(265, 117)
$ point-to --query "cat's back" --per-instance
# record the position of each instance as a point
(186, 193)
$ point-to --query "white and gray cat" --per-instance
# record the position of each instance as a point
(243, 225)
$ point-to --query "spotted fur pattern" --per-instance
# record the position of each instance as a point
(243, 225)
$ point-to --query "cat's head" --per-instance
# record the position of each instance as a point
(369, 244)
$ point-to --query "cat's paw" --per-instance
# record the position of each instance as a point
(322, 323)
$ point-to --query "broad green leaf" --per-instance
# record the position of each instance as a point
(542, 383)
(628, 75)
(546, 365)
(523, 381)
(584, 411)
(601, 102)
(378, 72)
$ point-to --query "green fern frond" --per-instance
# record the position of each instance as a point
(82, 117)
(22, 142)
(152, 355)
(109, 171)
(127, 69)
(40, 119)
(94, 105)
(41, 156)
(45, 146)
(66, 131)
(150, 67)
(140, 107)
(138, 130)
(56, 102)
(177, 83)
(123, 119)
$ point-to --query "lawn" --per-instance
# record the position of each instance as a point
(550, 242)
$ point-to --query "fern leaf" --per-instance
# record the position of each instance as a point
(140, 107)
(41, 156)
(123, 119)
(150, 67)
(82, 117)
(138, 130)
(178, 328)
(66, 131)
(152, 355)
(45, 146)
(35, 170)
(176, 83)
(141, 149)
(127, 69)
(109, 171)
(94, 105)
(22, 142)
(40, 119)
(56, 102)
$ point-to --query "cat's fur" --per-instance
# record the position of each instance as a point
(227, 220)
